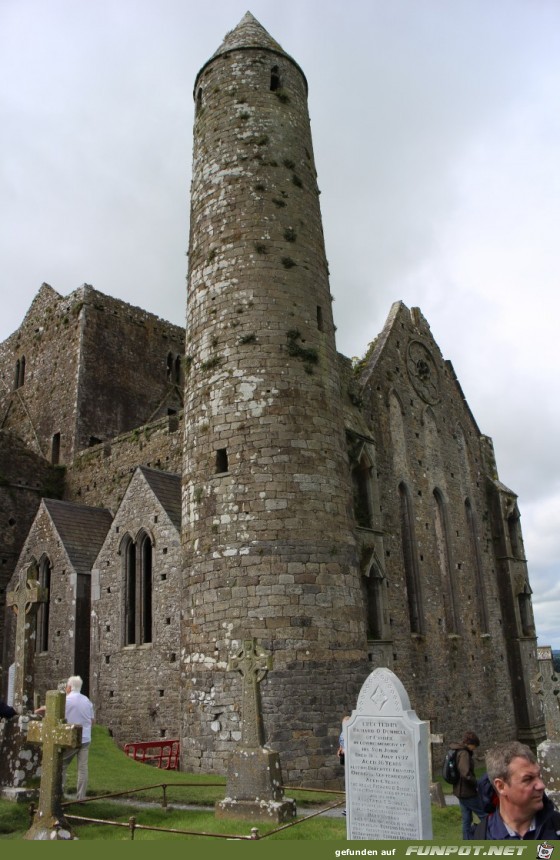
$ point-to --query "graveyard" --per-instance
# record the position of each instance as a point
(111, 772)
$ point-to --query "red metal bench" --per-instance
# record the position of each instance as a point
(162, 754)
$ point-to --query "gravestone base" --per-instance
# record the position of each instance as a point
(19, 795)
(254, 789)
(20, 762)
(437, 795)
(277, 811)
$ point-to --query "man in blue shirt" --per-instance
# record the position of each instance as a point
(523, 811)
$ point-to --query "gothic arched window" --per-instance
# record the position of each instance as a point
(138, 583)
(445, 562)
(479, 575)
(410, 558)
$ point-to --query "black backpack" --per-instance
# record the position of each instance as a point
(450, 771)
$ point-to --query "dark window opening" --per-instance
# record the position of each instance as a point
(169, 366)
(146, 578)
(93, 440)
(221, 460)
(55, 449)
(275, 82)
(19, 374)
(320, 318)
(199, 99)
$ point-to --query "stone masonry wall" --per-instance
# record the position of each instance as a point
(455, 668)
(83, 378)
(100, 475)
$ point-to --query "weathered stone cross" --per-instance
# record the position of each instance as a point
(253, 662)
(53, 733)
(25, 600)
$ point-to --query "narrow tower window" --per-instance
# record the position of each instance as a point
(275, 82)
(169, 366)
(199, 99)
(320, 318)
(55, 449)
(221, 460)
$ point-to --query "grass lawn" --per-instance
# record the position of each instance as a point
(110, 771)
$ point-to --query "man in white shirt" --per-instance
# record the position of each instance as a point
(79, 712)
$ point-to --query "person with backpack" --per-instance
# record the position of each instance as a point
(465, 788)
(522, 808)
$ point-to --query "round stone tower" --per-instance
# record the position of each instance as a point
(268, 533)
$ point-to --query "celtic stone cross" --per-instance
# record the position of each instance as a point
(253, 662)
(53, 733)
(25, 600)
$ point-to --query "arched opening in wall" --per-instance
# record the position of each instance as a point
(177, 370)
(55, 449)
(169, 365)
(514, 531)
(21, 372)
(43, 613)
(361, 483)
(146, 588)
(478, 570)
(199, 97)
(128, 553)
(374, 589)
(275, 81)
(445, 561)
(410, 558)
(526, 612)
(320, 324)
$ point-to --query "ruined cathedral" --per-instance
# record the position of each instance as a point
(178, 491)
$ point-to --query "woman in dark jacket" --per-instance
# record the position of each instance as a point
(466, 789)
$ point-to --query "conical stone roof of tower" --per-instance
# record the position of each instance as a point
(248, 34)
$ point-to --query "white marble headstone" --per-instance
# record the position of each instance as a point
(386, 764)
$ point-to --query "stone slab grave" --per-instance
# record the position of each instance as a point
(54, 734)
(254, 788)
(387, 765)
(19, 761)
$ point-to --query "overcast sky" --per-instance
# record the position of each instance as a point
(437, 139)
